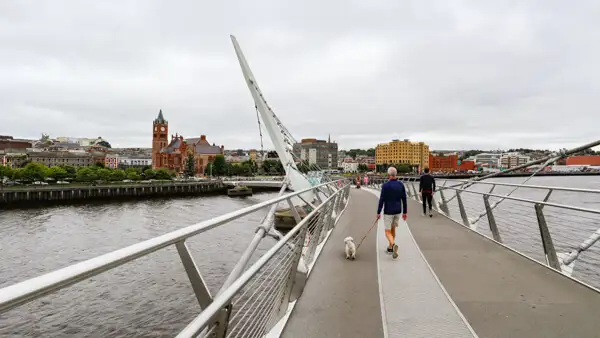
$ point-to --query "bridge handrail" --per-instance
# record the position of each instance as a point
(23, 292)
(207, 315)
(469, 213)
(528, 186)
(526, 200)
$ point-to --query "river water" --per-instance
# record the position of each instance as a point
(150, 297)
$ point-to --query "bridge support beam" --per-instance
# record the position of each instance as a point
(491, 219)
(198, 285)
(463, 212)
(549, 250)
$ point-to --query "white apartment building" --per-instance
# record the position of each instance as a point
(350, 167)
(511, 160)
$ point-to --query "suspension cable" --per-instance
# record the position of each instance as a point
(259, 132)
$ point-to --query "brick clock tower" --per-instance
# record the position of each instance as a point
(160, 130)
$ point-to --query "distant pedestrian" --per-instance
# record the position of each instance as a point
(393, 202)
(366, 180)
(427, 189)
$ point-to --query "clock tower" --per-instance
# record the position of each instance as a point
(160, 130)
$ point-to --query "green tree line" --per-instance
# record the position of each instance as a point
(356, 152)
(400, 167)
(39, 172)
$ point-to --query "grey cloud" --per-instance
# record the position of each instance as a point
(460, 74)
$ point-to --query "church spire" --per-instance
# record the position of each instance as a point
(329, 138)
(160, 119)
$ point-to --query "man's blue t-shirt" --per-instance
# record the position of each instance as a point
(393, 197)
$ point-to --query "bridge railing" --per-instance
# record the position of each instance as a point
(552, 225)
(253, 298)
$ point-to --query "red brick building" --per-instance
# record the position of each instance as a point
(443, 163)
(173, 154)
(466, 166)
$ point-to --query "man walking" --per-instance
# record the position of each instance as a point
(393, 202)
(427, 188)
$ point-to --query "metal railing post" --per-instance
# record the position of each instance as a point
(461, 207)
(491, 219)
(327, 223)
(417, 195)
(294, 211)
(336, 206)
(549, 250)
(444, 207)
(408, 189)
(317, 196)
(291, 280)
(198, 285)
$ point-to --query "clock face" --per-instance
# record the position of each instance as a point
(162, 128)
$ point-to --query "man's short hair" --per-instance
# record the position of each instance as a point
(392, 172)
(426, 170)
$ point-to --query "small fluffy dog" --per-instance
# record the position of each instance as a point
(350, 248)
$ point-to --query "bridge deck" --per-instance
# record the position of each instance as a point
(500, 293)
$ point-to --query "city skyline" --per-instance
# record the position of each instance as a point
(485, 75)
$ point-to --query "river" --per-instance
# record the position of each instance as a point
(150, 297)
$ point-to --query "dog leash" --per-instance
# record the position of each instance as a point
(365, 236)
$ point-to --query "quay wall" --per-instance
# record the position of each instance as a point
(38, 196)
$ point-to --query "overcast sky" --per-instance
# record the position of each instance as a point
(454, 74)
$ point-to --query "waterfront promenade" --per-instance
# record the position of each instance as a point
(448, 282)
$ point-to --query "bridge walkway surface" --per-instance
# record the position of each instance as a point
(448, 282)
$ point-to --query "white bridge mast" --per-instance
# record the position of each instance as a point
(277, 132)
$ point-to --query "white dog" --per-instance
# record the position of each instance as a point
(350, 248)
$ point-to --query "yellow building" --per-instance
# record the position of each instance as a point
(252, 154)
(403, 152)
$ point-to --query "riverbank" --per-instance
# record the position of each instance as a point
(33, 196)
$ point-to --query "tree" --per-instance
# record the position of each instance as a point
(104, 144)
(219, 166)
(209, 170)
(71, 171)
(86, 174)
(57, 173)
(273, 167)
(164, 174)
(117, 175)
(35, 172)
(303, 166)
(104, 174)
(363, 168)
(190, 166)
(149, 174)
(5, 171)
(134, 174)
(17, 174)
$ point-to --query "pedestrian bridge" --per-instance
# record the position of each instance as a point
(454, 277)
